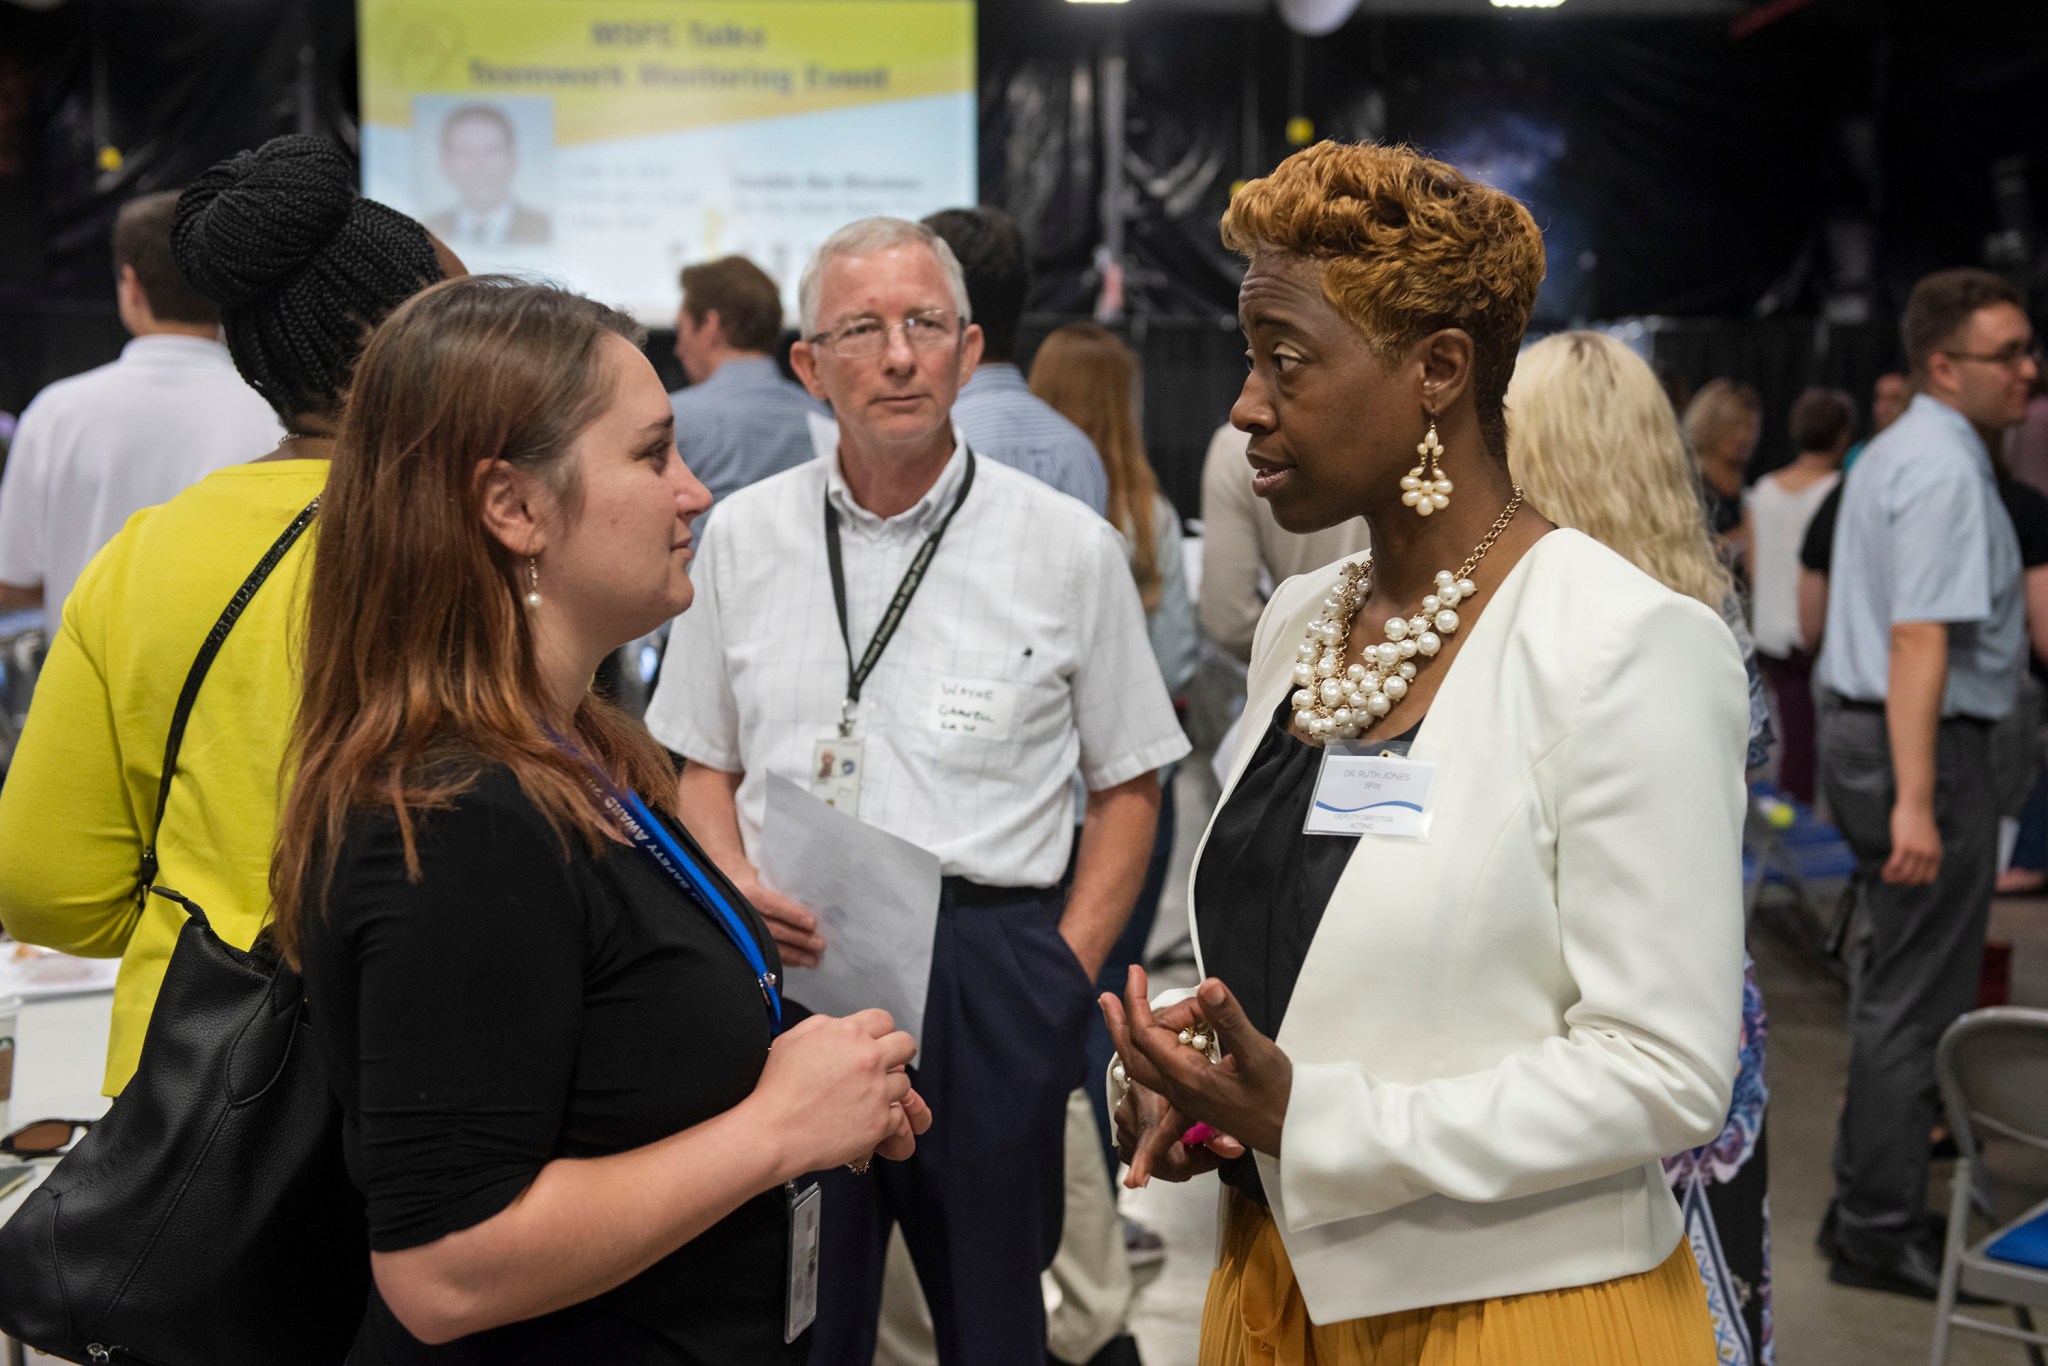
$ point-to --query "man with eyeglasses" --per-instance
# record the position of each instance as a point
(1923, 651)
(848, 605)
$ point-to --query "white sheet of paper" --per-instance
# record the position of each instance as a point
(877, 902)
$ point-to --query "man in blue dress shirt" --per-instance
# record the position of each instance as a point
(740, 420)
(1923, 651)
(996, 410)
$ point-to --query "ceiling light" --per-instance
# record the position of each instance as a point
(1527, 4)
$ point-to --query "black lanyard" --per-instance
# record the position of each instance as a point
(857, 674)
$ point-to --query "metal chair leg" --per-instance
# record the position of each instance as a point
(1951, 1262)
(2026, 1318)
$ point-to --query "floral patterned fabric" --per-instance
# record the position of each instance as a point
(1723, 1189)
(1724, 1194)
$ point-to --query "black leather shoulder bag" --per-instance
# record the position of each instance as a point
(207, 1220)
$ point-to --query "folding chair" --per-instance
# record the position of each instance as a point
(1993, 1069)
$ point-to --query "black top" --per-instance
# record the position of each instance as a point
(2024, 504)
(1263, 883)
(1724, 511)
(521, 1002)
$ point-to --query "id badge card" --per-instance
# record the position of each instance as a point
(804, 1207)
(1370, 794)
(835, 773)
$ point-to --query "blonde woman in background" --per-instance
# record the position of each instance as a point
(1722, 424)
(1595, 444)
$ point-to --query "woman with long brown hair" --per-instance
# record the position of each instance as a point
(546, 1015)
(1087, 372)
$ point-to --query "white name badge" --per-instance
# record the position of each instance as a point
(804, 1207)
(979, 707)
(1370, 794)
(835, 774)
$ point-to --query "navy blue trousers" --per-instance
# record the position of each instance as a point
(981, 1202)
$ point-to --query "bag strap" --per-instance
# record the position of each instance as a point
(146, 876)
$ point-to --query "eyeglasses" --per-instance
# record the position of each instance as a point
(2011, 356)
(44, 1138)
(866, 338)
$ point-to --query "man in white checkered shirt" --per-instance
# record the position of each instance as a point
(1027, 602)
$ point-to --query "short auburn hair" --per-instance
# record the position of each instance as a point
(1408, 246)
(1942, 303)
(748, 304)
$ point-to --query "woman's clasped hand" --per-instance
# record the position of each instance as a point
(836, 1089)
(1172, 1086)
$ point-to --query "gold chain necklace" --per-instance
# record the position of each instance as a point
(1333, 702)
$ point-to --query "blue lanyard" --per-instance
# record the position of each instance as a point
(653, 839)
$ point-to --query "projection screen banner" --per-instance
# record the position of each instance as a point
(605, 144)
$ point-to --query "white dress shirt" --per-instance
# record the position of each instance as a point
(95, 449)
(1029, 595)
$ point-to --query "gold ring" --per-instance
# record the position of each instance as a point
(860, 1168)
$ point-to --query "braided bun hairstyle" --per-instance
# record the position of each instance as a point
(301, 265)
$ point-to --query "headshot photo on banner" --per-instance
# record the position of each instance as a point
(605, 146)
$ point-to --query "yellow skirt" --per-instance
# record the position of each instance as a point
(1255, 1317)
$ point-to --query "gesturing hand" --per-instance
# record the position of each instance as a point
(1148, 1133)
(1245, 1095)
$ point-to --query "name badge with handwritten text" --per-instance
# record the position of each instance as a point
(1370, 794)
(977, 707)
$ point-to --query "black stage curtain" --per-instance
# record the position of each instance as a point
(1678, 169)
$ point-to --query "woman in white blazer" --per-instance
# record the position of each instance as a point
(1453, 1048)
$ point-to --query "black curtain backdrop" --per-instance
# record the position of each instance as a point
(1772, 195)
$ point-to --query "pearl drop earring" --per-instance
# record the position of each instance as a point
(1431, 492)
(532, 582)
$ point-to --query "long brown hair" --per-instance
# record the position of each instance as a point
(419, 665)
(1088, 373)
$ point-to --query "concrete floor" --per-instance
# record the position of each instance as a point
(1817, 1323)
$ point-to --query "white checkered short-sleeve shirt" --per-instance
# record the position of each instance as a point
(1029, 591)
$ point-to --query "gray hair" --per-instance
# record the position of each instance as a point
(866, 235)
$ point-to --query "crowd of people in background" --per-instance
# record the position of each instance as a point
(504, 496)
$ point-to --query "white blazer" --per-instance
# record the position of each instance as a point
(1502, 1026)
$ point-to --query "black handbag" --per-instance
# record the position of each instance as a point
(208, 1219)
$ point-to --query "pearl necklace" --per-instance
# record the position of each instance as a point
(1333, 702)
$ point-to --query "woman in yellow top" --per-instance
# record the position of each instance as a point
(1478, 971)
(301, 266)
